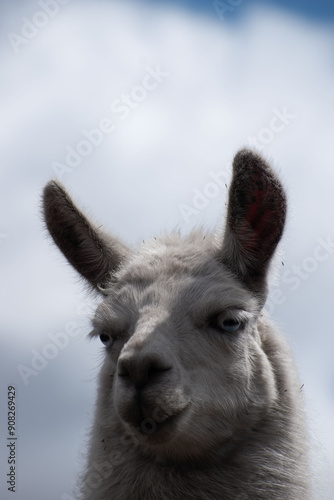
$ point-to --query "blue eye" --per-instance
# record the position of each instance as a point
(106, 339)
(228, 324)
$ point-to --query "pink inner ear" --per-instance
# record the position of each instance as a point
(255, 208)
(258, 218)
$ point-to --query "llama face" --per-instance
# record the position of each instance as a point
(184, 370)
(183, 350)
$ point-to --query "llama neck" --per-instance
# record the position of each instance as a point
(265, 465)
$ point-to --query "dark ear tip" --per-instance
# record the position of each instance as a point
(53, 187)
(248, 157)
(52, 192)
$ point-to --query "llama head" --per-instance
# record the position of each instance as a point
(184, 368)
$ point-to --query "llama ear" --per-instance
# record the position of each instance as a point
(93, 253)
(255, 220)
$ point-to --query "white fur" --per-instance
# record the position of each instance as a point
(187, 409)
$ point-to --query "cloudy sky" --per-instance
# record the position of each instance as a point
(139, 107)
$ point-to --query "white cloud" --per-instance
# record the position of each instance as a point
(224, 83)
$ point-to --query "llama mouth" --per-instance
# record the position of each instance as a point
(163, 428)
(153, 431)
(147, 418)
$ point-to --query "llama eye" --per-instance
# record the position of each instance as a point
(228, 325)
(106, 339)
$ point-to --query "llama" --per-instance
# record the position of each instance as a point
(198, 396)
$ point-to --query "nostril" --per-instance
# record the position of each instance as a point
(122, 369)
(142, 369)
(156, 368)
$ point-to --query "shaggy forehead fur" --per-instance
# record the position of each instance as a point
(183, 270)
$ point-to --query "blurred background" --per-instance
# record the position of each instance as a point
(138, 107)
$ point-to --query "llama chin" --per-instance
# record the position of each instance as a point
(198, 395)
